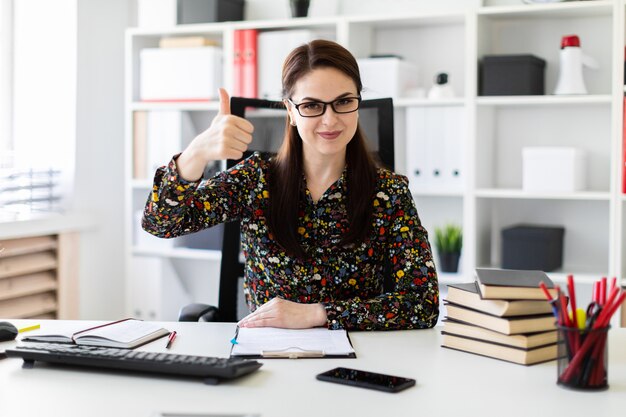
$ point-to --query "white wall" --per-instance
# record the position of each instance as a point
(44, 86)
(99, 154)
(6, 82)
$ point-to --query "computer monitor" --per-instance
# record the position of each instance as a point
(268, 118)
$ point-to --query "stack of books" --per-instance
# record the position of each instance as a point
(503, 315)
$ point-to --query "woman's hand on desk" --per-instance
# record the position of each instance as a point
(286, 314)
(228, 137)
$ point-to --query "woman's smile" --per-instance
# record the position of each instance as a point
(332, 134)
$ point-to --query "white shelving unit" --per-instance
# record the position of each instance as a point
(496, 128)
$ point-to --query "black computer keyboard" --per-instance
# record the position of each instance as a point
(211, 369)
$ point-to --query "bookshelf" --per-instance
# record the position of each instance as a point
(494, 130)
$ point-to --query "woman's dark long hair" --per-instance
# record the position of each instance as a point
(285, 179)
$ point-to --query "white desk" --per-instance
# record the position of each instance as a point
(449, 383)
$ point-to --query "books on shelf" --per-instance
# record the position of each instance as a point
(127, 333)
(249, 71)
(506, 325)
(245, 63)
(512, 284)
(186, 42)
(467, 295)
(497, 351)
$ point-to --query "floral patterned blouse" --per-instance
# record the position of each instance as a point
(348, 281)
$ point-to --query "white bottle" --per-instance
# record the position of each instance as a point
(571, 67)
(441, 89)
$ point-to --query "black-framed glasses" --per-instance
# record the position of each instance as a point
(317, 108)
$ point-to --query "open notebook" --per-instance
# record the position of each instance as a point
(269, 342)
(127, 333)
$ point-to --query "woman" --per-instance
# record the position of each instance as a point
(320, 220)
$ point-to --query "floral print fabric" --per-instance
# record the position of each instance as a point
(348, 281)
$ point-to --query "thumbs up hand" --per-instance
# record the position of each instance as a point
(227, 137)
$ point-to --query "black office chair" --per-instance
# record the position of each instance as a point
(376, 120)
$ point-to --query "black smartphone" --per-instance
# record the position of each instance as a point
(364, 379)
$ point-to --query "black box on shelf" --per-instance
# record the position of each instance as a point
(206, 11)
(511, 75)
(532, 247)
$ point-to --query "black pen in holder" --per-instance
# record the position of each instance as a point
(583, 358)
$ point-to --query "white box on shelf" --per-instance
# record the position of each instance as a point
(560, 169)
(388, 77)
(156, 13)
(180, 74)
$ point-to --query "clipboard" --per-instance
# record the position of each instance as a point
(292, 351)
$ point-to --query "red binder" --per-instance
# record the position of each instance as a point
(238, 64)
(249, 71)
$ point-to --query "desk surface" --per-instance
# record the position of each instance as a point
(449, 383)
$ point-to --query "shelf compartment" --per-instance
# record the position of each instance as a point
(499, 193)
(435, 194)
(503, 132)
(175, 105)
(585, 243)
(545, 100)
(425, 102)
(538, 29)
(411, 37)
(181, 253)
(567, 10)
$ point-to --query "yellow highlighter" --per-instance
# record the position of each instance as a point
(581, 317)
(29, 328)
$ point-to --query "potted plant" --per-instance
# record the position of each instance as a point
(449, 241)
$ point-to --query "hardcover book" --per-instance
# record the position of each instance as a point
(510, 325)
(467, 295)
(523, 341)
(505, 353)
(512, 284)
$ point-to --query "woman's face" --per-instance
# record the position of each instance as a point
(329, 134)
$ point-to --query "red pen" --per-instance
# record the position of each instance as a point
(170, 339)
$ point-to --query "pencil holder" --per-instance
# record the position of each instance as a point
(583, 358)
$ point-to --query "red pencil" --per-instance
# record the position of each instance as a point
(572, 295)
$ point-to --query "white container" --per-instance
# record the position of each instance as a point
(180, 74)
(273, 47)
(387, 77)
(559, 169)
(156, 13)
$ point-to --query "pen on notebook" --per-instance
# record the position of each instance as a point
(29, 328)
(170, 340)
(234, 339)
